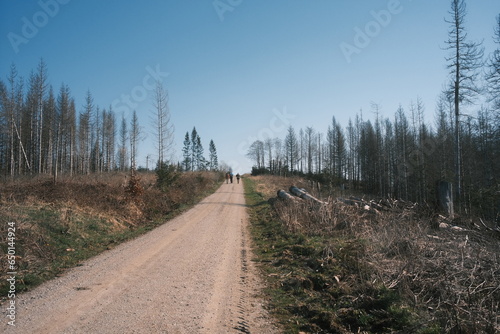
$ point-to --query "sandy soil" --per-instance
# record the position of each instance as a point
(193, 274)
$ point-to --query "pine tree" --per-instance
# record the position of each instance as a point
(186, 153)
(214, 163)
(194, 149)
(201, 163)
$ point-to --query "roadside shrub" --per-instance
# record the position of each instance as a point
(134, 188)
(166, 175)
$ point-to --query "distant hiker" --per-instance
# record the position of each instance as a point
(238, 177)
(227, 178)
(231, 176)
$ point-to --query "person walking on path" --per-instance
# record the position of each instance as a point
(227, 178)
(238, 177)
(231, 176)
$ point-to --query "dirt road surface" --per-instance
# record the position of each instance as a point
(193, 274)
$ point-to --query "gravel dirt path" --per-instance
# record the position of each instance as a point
(193, 274)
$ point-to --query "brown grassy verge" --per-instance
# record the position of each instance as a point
(57, 225)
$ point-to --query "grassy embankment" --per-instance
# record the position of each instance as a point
(59, 225)
(339, 268)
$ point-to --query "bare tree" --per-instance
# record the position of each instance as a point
(135, 133)
(352, 148)
(12, 104)
(164, 127)
(122, 150)
(108, 139)
(493, 73)
(65, 129)
(310, 148)
(256, 153)
(49, 133)
(291, 149)
(41, 87)
(268, 148)
(463, 62)
(97, 136)
(84, 134)
(402, 143)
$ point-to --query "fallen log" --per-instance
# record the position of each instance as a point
(301, 193)
(284, 195)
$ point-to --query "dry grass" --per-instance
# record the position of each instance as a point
(60, 224)
(451, 276)
(107, 195)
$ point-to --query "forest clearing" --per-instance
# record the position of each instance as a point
(334, 267)
(366, 135)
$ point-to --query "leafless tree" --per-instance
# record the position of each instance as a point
(164, 126)
(493, 70)
(464, 61)
(122, 150)
(292, 155)
(135, 133)
(310, 148)
(256, 153)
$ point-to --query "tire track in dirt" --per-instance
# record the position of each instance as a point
(190, 275)
(243, 325)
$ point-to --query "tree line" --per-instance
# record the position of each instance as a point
(42, 132)
(403, 156)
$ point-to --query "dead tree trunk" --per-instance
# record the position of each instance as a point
(304, 195)
(445, 197)
(284, 195)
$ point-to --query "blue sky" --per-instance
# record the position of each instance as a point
(239, 70)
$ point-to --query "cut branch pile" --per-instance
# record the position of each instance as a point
(448, 269)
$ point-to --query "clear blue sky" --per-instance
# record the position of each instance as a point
(240, 69)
